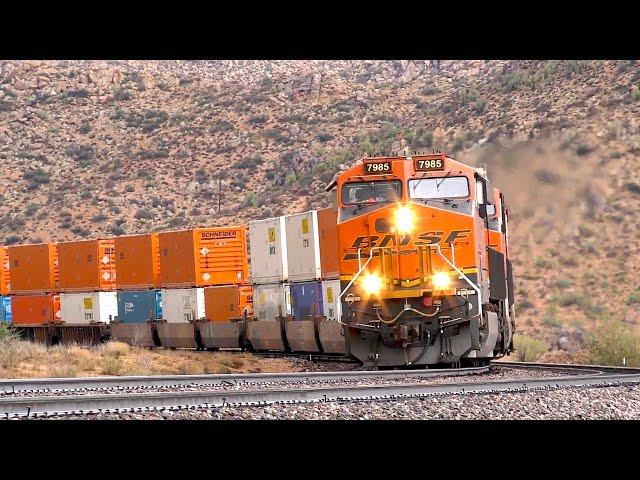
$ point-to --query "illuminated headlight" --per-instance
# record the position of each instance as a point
(404, 220)
(372, 284)
(441, 280)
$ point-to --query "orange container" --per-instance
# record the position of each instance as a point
(137, 261)
(328, 233)
(246, 299)
(35, 309)
(223, 303)
(88, 265)
(5, 278)
(34, 268)
(203, 256)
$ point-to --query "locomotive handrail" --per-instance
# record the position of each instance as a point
(466, 279)
(358, 273)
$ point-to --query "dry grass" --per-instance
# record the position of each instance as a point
(23, 359)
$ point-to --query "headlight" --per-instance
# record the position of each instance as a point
(441, 280)
(372, 284)
(404, 220)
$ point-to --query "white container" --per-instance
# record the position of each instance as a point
(303, 247)
(182, 305)
(270, 300)
(330, 299)
(85, 308)
(268, 245)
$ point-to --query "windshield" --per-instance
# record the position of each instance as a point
(371, 192)
(443, 187)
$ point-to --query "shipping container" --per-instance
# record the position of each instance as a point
(312, 245)
(35, 309)
(87, 265)
(227, 302)
(246, 300)
(5, 309)
(183, 305)
(222, 303)
(306, 300)
(203, 256)
(137, 306)
(5, 275)
(137, 261)
(34, 269)
(271, 300)
(268, 244)
(330, 299)
(91, 307)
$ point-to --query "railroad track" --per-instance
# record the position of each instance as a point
(129, 394)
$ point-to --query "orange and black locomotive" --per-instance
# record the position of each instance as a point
(424, 262)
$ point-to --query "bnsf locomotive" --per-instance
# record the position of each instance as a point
(424, 262)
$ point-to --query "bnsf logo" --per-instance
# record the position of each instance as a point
(421, 239)
(213, 235)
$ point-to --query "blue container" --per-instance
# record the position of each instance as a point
(138, 306)
(5, 309)
(306, 300)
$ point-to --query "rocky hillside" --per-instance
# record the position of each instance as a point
(108, 148)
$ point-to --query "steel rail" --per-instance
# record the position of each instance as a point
(129, 382)
(567, 366)
(83, 404)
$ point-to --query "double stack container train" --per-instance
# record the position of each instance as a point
(411, 268)
(295, 272)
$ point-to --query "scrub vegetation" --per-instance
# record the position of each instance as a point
(24, 359)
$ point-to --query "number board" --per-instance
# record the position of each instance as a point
(428, 165)
(377, 167)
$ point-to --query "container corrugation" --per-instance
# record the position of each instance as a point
(5, 272)
(86, 308)
(271, 300)
(268, 244)
(5, 309)
(34, 269)
(329, 246)
(222, 303)
(330, 299)
(306, 300)
(183, 305)
(137, 261)
(35, 309)
(203, 257)
(138, 306)
(312, 245)
(87, 265)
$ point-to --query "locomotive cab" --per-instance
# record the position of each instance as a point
(423, 262)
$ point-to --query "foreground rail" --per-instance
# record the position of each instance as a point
(132, 382)
(117, 402)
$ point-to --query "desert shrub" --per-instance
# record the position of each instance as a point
(324, 137)
(82, 93)
(248, 162)
(632, 187)
(36, 178)
(529, 349)
(259, 119)
(545, 176)
(144, 214)
(83, 154)
(611, 342)
(542, 263)
(634, 297)
(12, 240)
(147, 120)
(524, 304)
(81, 232)
(251, 200)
